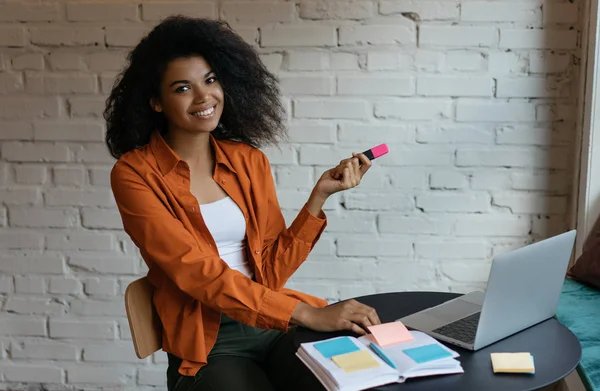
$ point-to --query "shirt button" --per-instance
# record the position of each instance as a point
(193, 209)
(257, 251)
(223, 181)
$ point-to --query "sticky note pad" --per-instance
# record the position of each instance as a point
(391, 333)
(512, 363)
(355, 361)
(427, 353)
(335, 347)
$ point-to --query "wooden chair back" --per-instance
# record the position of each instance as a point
(144, 323)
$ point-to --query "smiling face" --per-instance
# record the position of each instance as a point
(191, 97)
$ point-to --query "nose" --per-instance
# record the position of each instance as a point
(201, 94)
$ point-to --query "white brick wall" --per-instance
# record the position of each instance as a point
(476, 100)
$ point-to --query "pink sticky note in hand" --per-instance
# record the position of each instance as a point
(391, 333)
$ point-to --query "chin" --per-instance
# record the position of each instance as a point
(203, 130)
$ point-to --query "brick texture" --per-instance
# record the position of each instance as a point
(476, 99)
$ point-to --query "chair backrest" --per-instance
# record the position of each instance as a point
(144, 323)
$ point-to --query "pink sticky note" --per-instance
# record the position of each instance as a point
(391, 333)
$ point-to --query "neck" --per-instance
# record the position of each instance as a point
(194, 149)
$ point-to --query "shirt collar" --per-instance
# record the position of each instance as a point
(167, 158)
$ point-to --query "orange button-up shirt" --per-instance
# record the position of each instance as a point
(193, 285)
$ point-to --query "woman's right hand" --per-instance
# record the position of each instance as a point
(345, 315)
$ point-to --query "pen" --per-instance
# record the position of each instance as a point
(381, 354)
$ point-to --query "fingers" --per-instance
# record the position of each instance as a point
(358, 330)
(364, 164)
(348, 180)
(356, 167)
(361, 320)
(369, 314)
(350, 173)
(373, 317)
(349, 325)
(360, 316)
(353, 162)
(356, 163)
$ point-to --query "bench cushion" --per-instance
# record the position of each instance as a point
(579, 310)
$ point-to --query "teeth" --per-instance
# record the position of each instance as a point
(204, 113)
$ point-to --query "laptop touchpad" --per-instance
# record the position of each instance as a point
(454, 310)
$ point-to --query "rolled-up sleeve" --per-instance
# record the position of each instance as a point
(285, 249)
(201, 274)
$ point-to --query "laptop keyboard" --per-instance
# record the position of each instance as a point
(463, 329)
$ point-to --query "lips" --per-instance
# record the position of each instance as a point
(206, 112)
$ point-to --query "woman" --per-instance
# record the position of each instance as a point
(197, 197)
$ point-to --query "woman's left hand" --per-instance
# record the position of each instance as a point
(344, 176)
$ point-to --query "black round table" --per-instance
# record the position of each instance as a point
(556, 351)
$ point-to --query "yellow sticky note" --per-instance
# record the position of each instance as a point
(355, 361)
(391, 333)
(512, 362)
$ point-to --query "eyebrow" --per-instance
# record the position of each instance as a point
(187, 81)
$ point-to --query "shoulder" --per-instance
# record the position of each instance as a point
(240, 153)
(138, 156)
(135, 161)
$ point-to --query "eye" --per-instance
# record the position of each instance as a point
(181, 89)
(211, 79)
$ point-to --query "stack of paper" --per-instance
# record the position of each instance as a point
(512, 363)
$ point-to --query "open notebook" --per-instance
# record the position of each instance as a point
(350, 364)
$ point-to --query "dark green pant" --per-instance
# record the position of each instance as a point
(249, 359)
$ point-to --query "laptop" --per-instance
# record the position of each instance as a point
(523, 289)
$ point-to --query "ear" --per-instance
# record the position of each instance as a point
(156, 106)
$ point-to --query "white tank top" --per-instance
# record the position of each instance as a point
(227, 225)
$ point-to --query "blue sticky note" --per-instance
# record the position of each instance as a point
(335, 347)
(426, 353)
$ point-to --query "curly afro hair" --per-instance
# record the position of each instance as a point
(252, 111)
